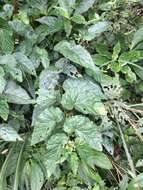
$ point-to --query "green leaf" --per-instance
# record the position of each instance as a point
(6, 41)
(55, 147)
(99, 59)
(67, 27)
(138, 37)
(75, 53)
(47, 97)
(86, 98)
(22, 15)
(16, 94)
(62, 12)
(124, 183)
(131, 77)
(96, 30)
(2, 84)
(36, 177)
(136, 182)
(4, 24)
(85, 129)
(18, 167)
(116, 51)
(45, 123)
(102, 49)
(8, 59)
(4, 110)
(84, 5)
(93, 157)
(48, 79)
(54, 24)
(39, 5)
(79, 19)
(115, 66)
(74, 162)
(67, 68)
(19, 27)
(41, 55)
(15, 72)
(25, 63)
(131, 56)
(68, 5)
(7, 133)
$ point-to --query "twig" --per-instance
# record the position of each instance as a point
(14, 6)
(129, 158)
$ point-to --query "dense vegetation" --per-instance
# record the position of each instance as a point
(71, 86)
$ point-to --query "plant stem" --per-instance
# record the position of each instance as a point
(14, 6)
(129, 158)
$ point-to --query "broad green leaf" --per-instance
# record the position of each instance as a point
(19, 27)
(102, 49)
(16, 94)
(4, 24)
(62, 12)
(108, 143)
(74, 162)
(54, 24)
(8, 10)
(79, 19)
(68, 5)
(39, 5)
(67, 68)
(99, 59)
(116, 51)
(4, 110)
(25, 63)
(47, 97)
(67, 27)
(75, 53)
(96, 30)
(83, 95)
(136, 182)
(131, 77)
(88, 175)
(2, 73)
(138, 37)
(115, 66)
(85, 130)
(8, 59)
(22, 15)
(55, 147)
(40, 55)
(2, 84)
(124, 183)
(46, 122)
(6, 41)
(93, 157)
(36, 177)
(7, 133)
(15, 72)
(84, 5)
(48, 79)
(131, 56)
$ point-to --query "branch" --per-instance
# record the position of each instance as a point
(129, 158)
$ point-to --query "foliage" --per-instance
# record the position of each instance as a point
(71, 86)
